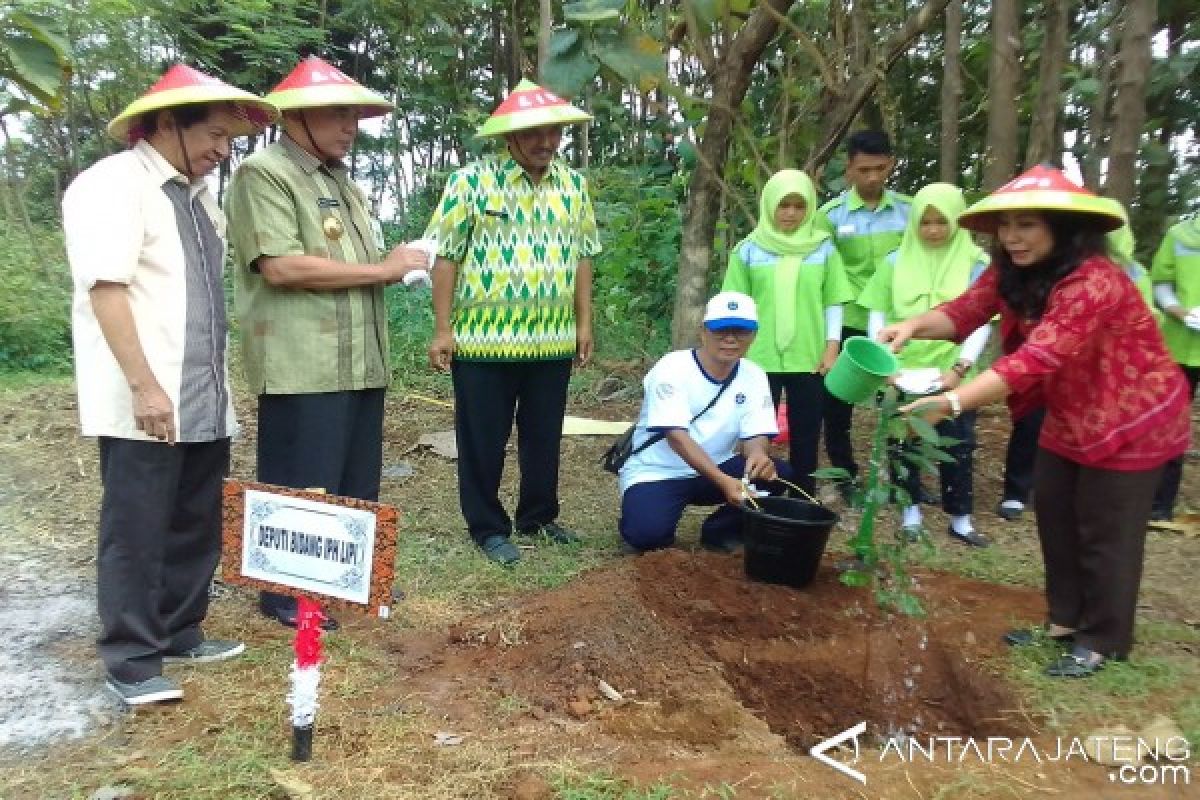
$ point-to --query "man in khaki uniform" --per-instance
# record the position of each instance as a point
(309, 277)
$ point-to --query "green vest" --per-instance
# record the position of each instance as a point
(1178, 264)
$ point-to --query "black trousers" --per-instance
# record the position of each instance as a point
(957, 477)
(805, 399)
(487, 398)
(327, 440)
(1020, 455)
(838, 418)
(1168, 488)
(1092, 527)
(159, 544)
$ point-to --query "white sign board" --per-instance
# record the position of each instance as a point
(307, 545)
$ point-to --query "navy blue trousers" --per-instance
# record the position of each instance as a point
(650, 511)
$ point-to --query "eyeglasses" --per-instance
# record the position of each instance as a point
(737, 334)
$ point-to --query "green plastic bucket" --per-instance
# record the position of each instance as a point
(860, 370)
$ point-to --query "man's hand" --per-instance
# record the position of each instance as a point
(584, 345)
(733, 490)
(832, 348)
(441, 351)
(403, 260)
(153, 413)
(759, 466)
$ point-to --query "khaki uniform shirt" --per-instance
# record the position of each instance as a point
(283, 201)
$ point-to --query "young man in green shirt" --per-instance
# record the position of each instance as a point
(512, 298)
(866, 222)
(309, 277)
(1175, 273)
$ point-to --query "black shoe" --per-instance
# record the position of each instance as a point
(1161, 515)
(1023, 637)
(1079, 663)
(499, 549)
(286, 615)
(971, 537)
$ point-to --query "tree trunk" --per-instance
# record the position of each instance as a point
(839, 108)
(730, 81)
(1154, 193)
(545, 27)
(952, 91)
(1043, 132)
(1004, 76)
(1129, 109)
(1098, 117)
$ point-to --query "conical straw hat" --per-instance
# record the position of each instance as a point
(180, 86)
(530, 106)
(1041, 189)
(315, 83)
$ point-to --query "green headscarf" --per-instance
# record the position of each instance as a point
(1120, 242)
(1187, 232)
(792, 248)
(927, 276)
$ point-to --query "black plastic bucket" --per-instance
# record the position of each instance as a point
(784, 539)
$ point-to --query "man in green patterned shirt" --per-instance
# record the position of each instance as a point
(309, 277)
(512, 299)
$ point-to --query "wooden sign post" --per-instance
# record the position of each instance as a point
(318, 548)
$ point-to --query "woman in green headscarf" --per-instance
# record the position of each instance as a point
(794, 273)
(1175, 273)
(936, 261)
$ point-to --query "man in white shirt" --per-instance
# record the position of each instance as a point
(696, 458)
(146, 245)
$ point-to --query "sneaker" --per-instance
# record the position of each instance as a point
(1010, 509)
(1024, 637)
(159, 689)
(552, 532)
(207, 651)
(499, 549)
(972, 537)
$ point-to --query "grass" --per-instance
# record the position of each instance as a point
(375, 742)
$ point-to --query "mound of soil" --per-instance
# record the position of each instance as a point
(699, 654)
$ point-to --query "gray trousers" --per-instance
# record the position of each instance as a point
(159, 544)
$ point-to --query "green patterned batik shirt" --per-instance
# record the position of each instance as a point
(517, 245)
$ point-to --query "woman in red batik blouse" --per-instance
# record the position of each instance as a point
(1117, 406)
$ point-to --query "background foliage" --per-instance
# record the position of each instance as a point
(652, 73)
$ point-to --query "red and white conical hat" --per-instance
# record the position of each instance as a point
(1042, 188)
(315, 83)
(180, 86)
(530, 106)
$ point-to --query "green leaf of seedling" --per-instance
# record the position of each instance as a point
(940, 456)
(832, 474)
(855, 578)
(897, 428)
(919, 461)
(906, 604)
(923, 429)
(948, 441)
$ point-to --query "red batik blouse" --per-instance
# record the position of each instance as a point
(1115, 399)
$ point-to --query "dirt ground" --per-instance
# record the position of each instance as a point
(670, 667)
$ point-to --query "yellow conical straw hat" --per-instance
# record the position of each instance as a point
(1041, 189)
(180, 86)
(530, 106)
(315, 83)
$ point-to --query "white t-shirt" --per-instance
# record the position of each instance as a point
(676, 389)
